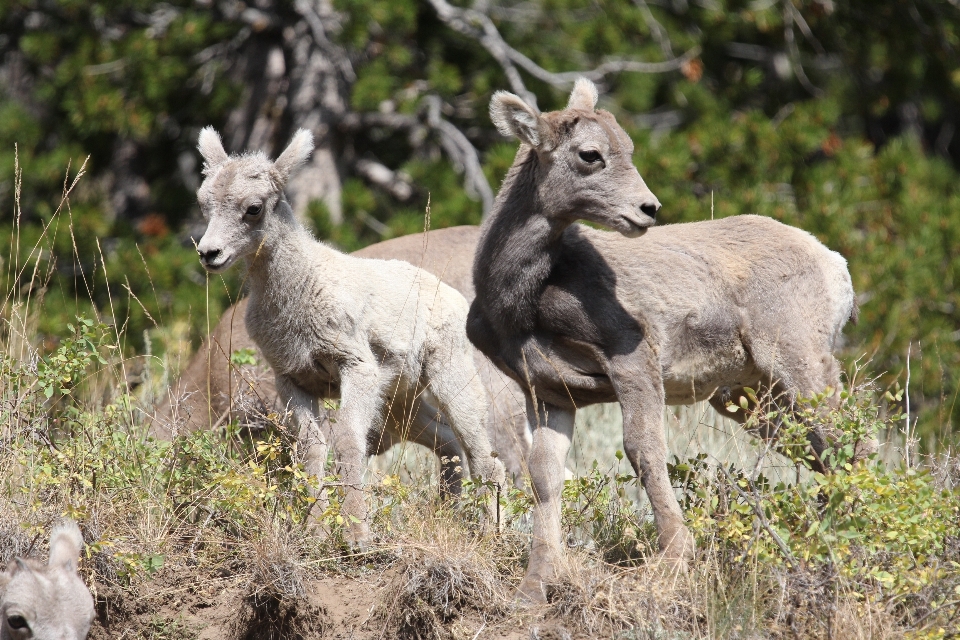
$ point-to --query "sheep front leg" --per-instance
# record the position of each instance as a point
(548, 455)
(362, 408)
(311, 445)
(637, 382)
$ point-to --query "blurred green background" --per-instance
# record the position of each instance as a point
(837, 117)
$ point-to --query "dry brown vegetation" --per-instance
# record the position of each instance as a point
(206, 536)
(225, 553)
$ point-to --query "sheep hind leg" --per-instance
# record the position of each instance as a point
(416, 420)
(463, 401)
(311, 443)
(429, 428)
(728, 402)
(811, 378)
(755, 421)
(798, 371)
(363, 410)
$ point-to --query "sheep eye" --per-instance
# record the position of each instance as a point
(254, 210)
(17, 622)
(590, 156)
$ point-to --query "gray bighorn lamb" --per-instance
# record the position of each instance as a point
(211, 389)
(673, 314)
(47, 602)
(336, 326)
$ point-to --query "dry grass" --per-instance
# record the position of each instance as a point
(211, 523)
(440, 573)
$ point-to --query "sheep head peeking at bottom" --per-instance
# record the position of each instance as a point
(47, 602)
(377, 334)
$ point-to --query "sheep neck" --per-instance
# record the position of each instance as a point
(279, 273)
(518, 249)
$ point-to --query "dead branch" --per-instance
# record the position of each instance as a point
(455, 144)
(789, 19)
(567, 78)
(319, 31)
(480, 27)
(393, 182)
(462, 153)
(659, 33)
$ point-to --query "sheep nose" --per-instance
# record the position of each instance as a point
(650, 208)
(208, 256)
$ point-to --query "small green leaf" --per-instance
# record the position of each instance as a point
(243, 356)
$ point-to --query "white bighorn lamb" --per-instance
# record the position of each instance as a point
(47, 602)
(369, 332)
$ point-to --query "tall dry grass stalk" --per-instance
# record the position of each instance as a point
(229, 507)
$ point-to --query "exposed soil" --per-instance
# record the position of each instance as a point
(186, 605)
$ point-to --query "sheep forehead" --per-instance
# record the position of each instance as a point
(49, 595)
(577, 125)
(28, 587)
(237, 179)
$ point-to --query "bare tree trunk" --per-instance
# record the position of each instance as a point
(290, 82)
(318, 100)
(261, 69)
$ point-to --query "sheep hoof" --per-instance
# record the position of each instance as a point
(531, 591)
(357, 536)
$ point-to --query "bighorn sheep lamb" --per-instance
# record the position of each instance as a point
(47, 602)
(212, 389)
(673, 314)
(332, 325)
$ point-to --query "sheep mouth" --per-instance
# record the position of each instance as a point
(635, 227)
(218, 266)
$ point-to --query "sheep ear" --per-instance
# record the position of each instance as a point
(515, 118)
(584, 95)
(18, 565)
(65, 544)
(294, 155)
(211, 148)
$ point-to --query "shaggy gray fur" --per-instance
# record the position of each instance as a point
(368, 332)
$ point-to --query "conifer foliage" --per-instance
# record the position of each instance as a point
(838, 117)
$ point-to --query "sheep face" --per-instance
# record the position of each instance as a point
(240, 196)
(48, 602)
(584, 161)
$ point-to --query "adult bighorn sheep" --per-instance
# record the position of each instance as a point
(337, 326)
(651, 315)
(47, 602)
(212, 390)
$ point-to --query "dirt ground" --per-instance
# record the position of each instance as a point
(172, 605)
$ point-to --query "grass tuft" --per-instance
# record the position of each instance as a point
(207, 536)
